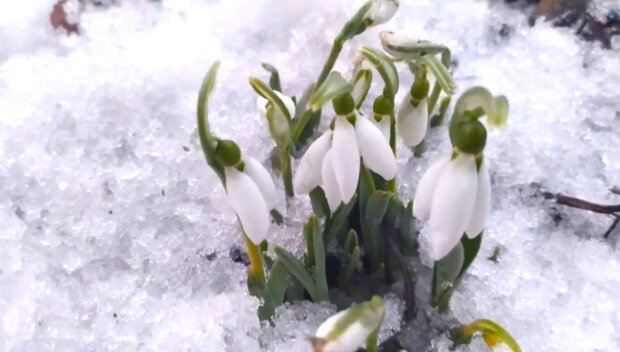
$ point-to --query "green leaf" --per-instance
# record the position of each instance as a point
(366, 188)
(208, 141)
(319, 203)
(447, 270)
(338, 221)
(496, 108)
(442, 291)
(385, 67)
(441, 73)
(361, 85)
(375, 210)
(320, 277)
(277, 282)
(298, 271)
(351, 242)
(274, 79)
(334, 86)
(408, 233)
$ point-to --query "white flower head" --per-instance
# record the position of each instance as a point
(412, 121)
(349, 329)
(333, 160)
(382, 11)
(252, 194)
(394, 43)
(454, 196)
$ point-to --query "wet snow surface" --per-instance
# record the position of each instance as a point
(115, 235)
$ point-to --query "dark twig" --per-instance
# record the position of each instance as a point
(613, 210)
(585, 205)
(612, 227)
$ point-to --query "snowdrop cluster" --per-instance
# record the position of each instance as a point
(333, 160)
(349, 171)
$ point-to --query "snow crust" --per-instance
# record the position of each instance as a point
(115, 235)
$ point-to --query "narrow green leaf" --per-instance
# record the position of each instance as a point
(351, 242)
(297, 270)
(366, 188)
(274, 79)
(408, 233)
(277, 282)
(361, 85)
(319, 203)
(385, 67)
(441, 73)
(338, 221)
(320, 277)
(375, 211)
(334, 86)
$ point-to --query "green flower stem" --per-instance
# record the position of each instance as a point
(299, 127)
(256, 265)
(391, 184)
(331, 59)
(285, 169)
(446, 57)
(371, 341)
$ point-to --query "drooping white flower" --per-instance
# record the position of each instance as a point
(455, 198)
(338, 174)
(345, 158)
(252, 194)
(376, 153)
(412, 121)
(393, 41)
(382, 11)
(308, 175)
(349, 329)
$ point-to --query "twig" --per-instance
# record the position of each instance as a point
(613, 210)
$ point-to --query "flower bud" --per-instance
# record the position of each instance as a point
(349, 330)
(227, 152)
(382, 11)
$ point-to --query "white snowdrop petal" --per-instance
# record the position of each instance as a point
(375, 150)
(329, 182)
(384, 127)
(308, 174)
(482, 205)
(351, 340)
(345, 158)
(329, 324)
(426, 187)
(453, 202)
(263, 180)
(383, 10)
(261, 104)
(249, 204)
(288, 102)
(412, 121)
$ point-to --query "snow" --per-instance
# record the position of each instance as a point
(115, 235)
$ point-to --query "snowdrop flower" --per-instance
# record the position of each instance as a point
(412, 116)
(349, 330)
(382, 11)
(277, 119)
(333, 160)
(454, 195)
(250, 190)
(397, 43)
